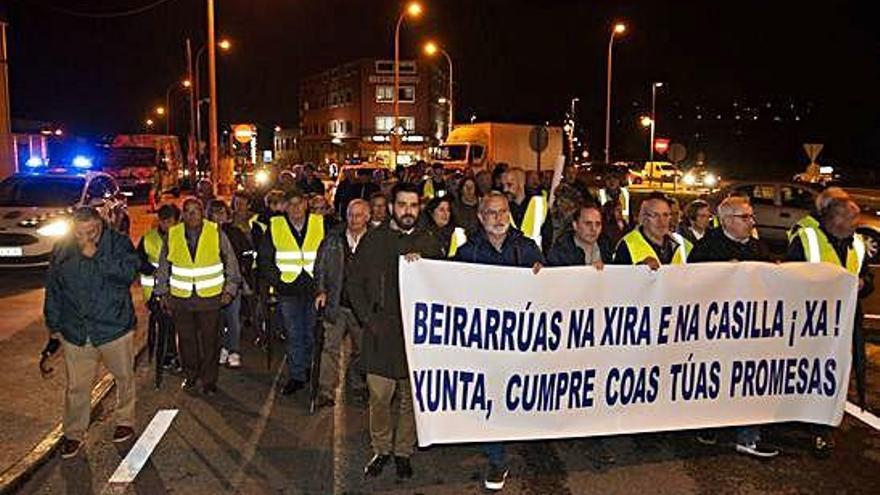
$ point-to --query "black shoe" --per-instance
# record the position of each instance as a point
(757, 449)
(188, 385)
(495, 477)
(404, 468)
(292, 386)
(324, 401)
(707, 438)
(209, 390)
(69, 448)
(822, 446)
(376, 465)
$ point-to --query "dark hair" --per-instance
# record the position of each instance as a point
(169, 211)
(216, 204)
(86, 214)
(405, 187)
(377, 195)
(437, 165)
(435, 203)
(464, 181)
(294, 193)
(585, 206)
(690, 211)
(191, 200)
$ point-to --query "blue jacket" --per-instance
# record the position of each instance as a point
(89, 300)
(517, 250)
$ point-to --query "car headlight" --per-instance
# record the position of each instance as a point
(689, 179)
(710, 180)
(55, 228)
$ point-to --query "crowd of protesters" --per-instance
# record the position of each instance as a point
(295, 253)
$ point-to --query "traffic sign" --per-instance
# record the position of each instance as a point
(661, 145)
(539, 139)
(243, 133)
(677, 153)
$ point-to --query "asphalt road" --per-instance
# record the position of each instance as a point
(250, 440)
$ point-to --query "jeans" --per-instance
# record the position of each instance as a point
(298, 314)
(495, 453)
(231, 321)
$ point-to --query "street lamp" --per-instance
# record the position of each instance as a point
(413, 10)
(618, 29)
(149, 123)
(185, 84)
(646, 121)
(654, 87)
(431, 49)
(225, 45)
(160, 111)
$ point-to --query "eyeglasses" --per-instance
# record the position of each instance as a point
(495, 213)
(746, 217)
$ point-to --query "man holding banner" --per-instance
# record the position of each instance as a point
(652, 243)
(834, 240)
(734, 242)
(374, 294)
(497, 244)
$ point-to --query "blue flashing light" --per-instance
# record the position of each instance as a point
(34, 162)
(82, 162)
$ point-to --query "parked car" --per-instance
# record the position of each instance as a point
(35, 210)
(779, 205)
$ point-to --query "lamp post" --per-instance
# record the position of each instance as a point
(619, 28)
(654, 87)
(225, 45)
(431, 49)
(186, 83)
(412, 10)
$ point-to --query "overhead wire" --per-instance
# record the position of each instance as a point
(105, 15)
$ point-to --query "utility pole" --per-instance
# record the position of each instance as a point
(7, 160)
(213, 137)
(192, 152)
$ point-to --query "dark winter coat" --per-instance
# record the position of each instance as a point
(374, 292)
(89, 299)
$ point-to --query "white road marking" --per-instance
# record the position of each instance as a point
(863, 416)
(139, 454)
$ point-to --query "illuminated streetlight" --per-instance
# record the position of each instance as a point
(149, 123)
(432, 49)
(646, 121)
(619, 29)
(187, 83)
(160, 110)
(225, 44)
(413, 10)
(654, 87)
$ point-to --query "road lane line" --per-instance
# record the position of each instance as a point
(137, 457)
(863, 416)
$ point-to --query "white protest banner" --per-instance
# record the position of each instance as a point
(498, 353)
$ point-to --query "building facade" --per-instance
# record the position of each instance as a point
(347, 112)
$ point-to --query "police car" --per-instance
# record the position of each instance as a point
(35, 208)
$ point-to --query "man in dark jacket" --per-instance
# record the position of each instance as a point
(496, 243)
(331, 271)
(88, 306)
(583, 244)
(375, 298)
(734, 242)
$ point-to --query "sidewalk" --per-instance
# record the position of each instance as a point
(30, 414)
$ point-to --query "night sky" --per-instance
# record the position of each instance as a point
(514, 61)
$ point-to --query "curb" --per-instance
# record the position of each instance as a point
(19, 473)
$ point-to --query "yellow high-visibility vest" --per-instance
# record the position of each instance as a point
(428, 189)
(153, 247)
(808, 222)
(459, 237)
(624, 200)
(817, 249)
(205, 273)
(291, 258)
(640, 249)
(533, 220)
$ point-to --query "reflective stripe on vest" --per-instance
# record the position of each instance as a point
(428, 189)
(533, 220)
(640, 249)
(808, 221)
(204, 275)
(624, 200)
(817, 249)
(459, 238)
(290, 258)
(153, 248)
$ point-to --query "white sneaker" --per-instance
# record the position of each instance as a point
(234, 360)
(224, 355)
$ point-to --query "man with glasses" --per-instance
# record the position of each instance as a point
(652, 243)
(496, 243)
(734, 242)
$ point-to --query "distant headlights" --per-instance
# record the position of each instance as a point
(689, 179)
(710, 180)
(55, 228)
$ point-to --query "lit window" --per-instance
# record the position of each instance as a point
(384, 93)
